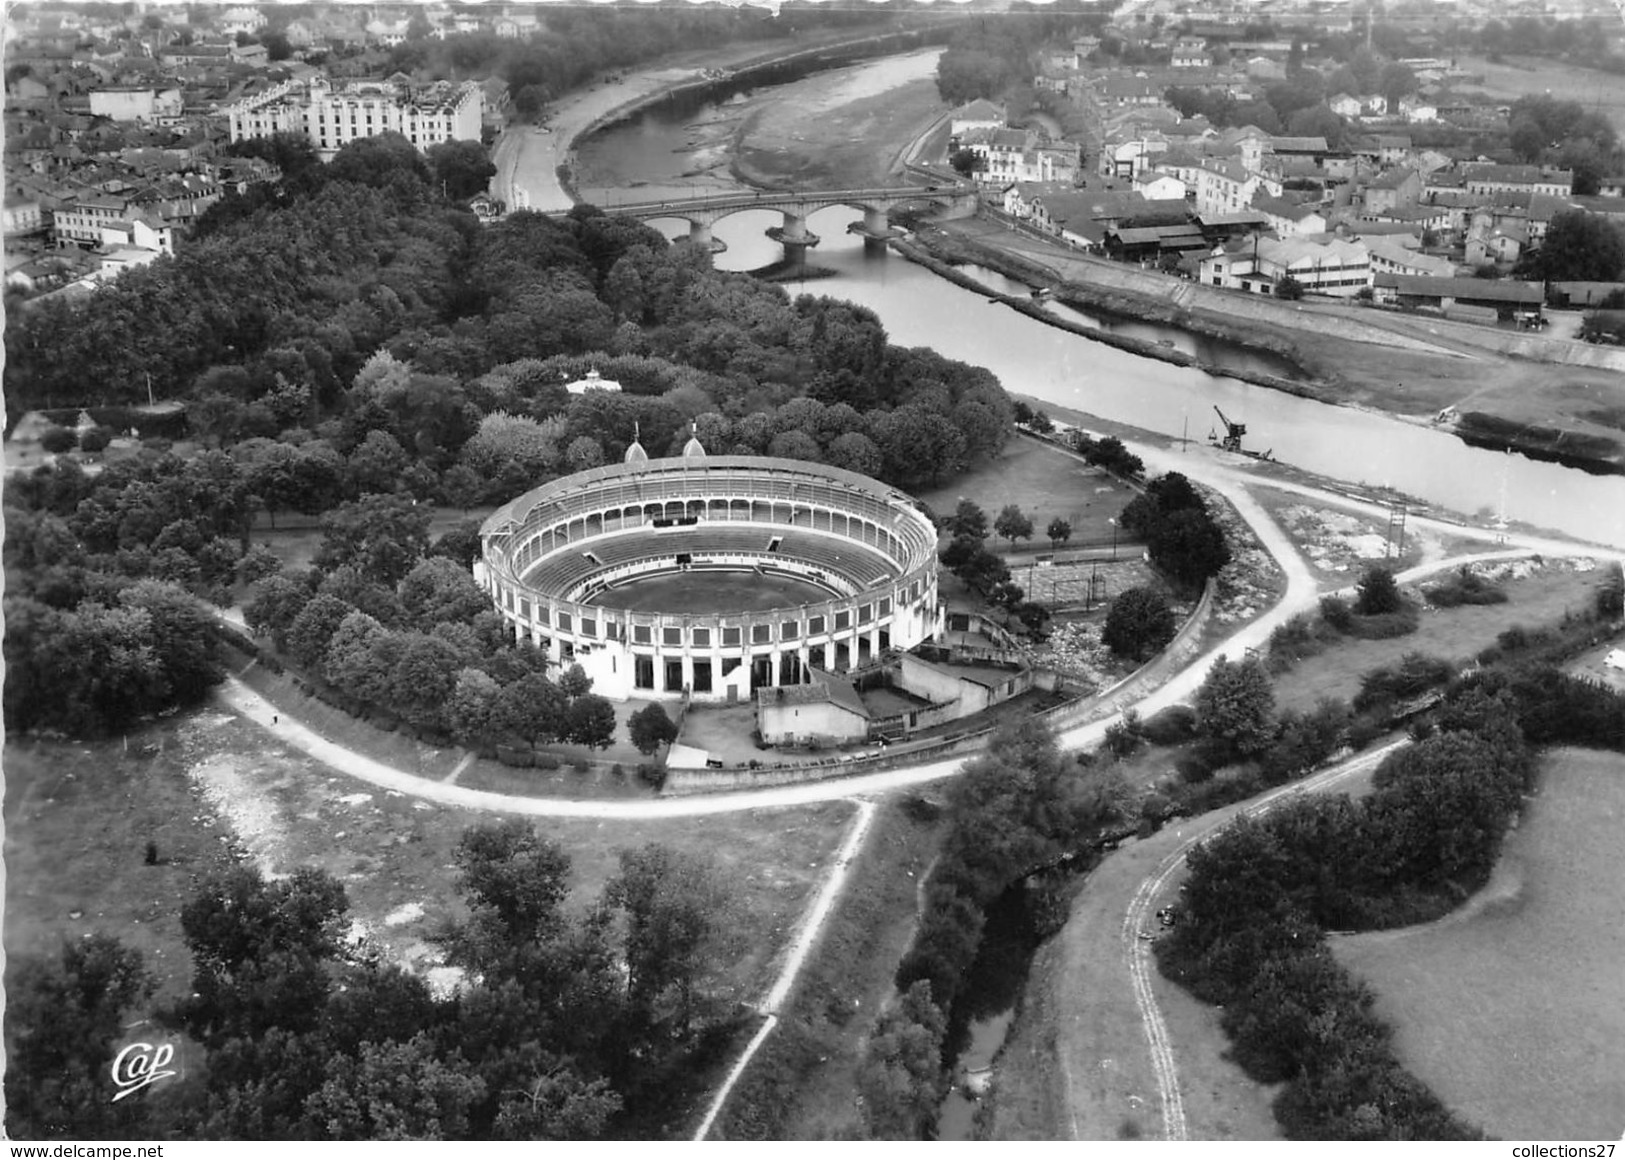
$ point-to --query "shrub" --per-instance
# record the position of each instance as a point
(1415, 674)
(58, 440)
(581, 765)
(95, 440)
(1194, 767)
(1363, 730)
(1175, 724)
(1377, 592)
(1335, 611)
(617, 770)
(1121, 739)
(1384, 625)
(546, 761)
(1464, 587)
(1611, 596)
(651, 774)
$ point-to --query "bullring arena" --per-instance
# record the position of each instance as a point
(711, 576)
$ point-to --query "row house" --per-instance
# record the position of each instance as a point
(92, 222)
(1491, 178)
(1117, 91)
(1190, 52)
(1029, 201)
(998, 153)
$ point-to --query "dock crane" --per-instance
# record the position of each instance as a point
(1233, 432)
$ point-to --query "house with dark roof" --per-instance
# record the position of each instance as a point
(1484, 299)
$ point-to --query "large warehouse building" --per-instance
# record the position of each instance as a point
(712, 576)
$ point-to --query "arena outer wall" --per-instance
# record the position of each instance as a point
(548, 552)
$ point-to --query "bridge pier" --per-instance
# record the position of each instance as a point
(794, 236)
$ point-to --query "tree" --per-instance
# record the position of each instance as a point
(310, 632)
(1289, 288)
(1138, 624)
(901, 1078)
(471, 712)
(1059, 531)
(1013, 524)
(1580, 246)
(462, 168)
(533, 708)
(966, 161)
(382, 536)
(1235, 704)
(678, 930)
(650, 728)
(261, 953)
(58, 440)
(591, 722)
(1378, 593)
(439, 589)
(969, 522)
(394, 1091)
(574, 682)
(63, 1018)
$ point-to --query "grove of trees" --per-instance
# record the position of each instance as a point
(306, 1038)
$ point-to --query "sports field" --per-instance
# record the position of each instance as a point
(1513, 1008)
(710, 592)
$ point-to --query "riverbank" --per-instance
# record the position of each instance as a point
(1559, 413)
(535, 164)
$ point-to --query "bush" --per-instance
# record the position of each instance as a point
(546, 761)
(1384, 625)
(1415, 674)
(1464, 587)
(1611, 596)
(1377, 592)
(58, 440)
(1194, 767)
(651, 774)
(95, 440)
(617, 770)
(1172, 726)
(1362, 732)
(581, 765)
(1335, 611)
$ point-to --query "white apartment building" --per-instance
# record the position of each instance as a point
(333, 117)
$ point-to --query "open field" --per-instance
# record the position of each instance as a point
(1530, 76)
(78, 819)
(1043, 482)
(803, 1084)
(1453, 633)
(1513, 1008)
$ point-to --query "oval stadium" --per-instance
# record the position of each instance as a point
(711, 576)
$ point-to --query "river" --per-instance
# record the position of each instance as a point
(1068, 370)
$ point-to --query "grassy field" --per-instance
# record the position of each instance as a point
(78, 819)
(803, 1083)
(1513, 1008)
(1452, 633)
(1043, 482)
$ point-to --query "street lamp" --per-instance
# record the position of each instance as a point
(1112, 520)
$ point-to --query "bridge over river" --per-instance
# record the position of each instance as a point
(703, 212)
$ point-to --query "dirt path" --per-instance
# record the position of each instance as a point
(817, 916)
